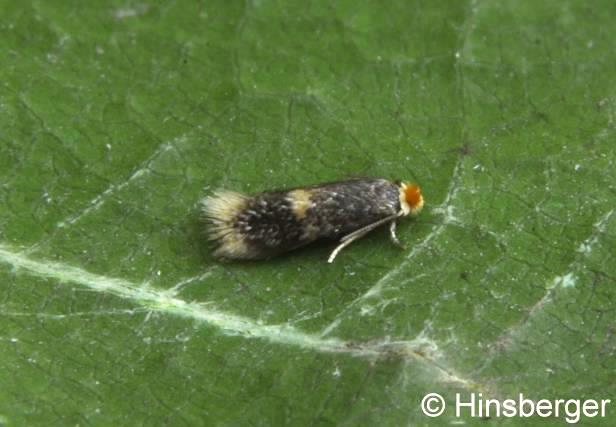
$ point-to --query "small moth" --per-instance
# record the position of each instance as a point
(273, 222)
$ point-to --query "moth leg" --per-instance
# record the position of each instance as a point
(346, 243)
(358, 234)
(362, 231)
(392, 234)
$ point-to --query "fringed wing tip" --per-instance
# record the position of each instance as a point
(220, 210)
(223, 205)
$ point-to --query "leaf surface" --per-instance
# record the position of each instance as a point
(117, 118)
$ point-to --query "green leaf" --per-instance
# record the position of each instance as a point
(116, 118)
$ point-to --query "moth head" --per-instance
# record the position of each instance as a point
(411, 199)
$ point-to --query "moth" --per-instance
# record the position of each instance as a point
(273, 222)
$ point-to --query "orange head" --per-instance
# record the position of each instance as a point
(411, 199)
